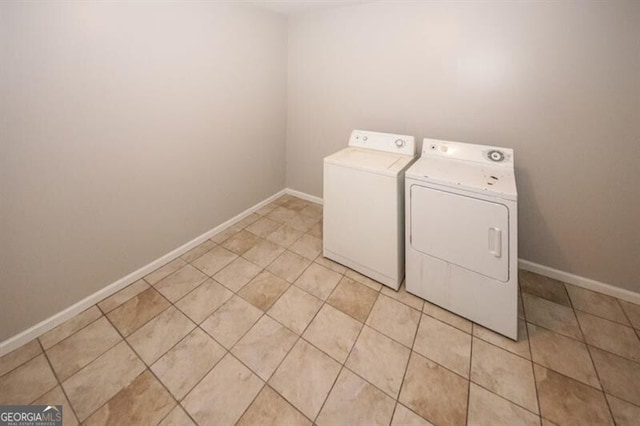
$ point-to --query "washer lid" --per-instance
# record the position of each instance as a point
(370, 160)
(468, 175)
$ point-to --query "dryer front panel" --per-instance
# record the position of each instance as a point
(464, 231)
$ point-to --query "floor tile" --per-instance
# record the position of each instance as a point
(619, 376)
(214, 260)
(624, 413)
(69, 327)
(562, 354)
(156, 337)
(264, 290)
(633, 312)
(486, 408)
(302, 222)
(180, 283)
(596, 304)
(333, 332)
(117, 299)
(237, 274)
(224, 394)
(264, 346)
(330, 264)
(247, 220)
(448, 317)
(520, 347)
(295, 309)
(144, 401)
(544, 287)
(316, 230)
(263, 227)
(177, 417)
(202, 301)
(405, 417)
(313, 210)
(281, 214)
(307, 246)
(296, 204)
(186, 363)
(19, 356)
(288, 266)
(198, 251)
(263, 253)
(504, 373)
(401, 295)
(552, 316)
(270, 409)
(610, 336)
(27, 382)
(223, 235)
(318, 281)
(569, 402)
(353, 299)
(379, 360)
(353, 401)
(358, 277)
(98, 382)
(229, 323)
(165, 271)
(57, 397)
(137, 311)
(444, 344)
(81, 348)
(284, 236)
(423, 392)
(265, 210)
(394, 319)
(305, 378)
(240, 242)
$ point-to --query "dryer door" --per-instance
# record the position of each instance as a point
(465, 231)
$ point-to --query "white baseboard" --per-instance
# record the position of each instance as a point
(43, 326)
(578, 281)
(304, 196)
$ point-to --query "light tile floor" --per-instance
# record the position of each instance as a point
(255, 327)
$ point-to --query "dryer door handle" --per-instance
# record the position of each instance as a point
(495, 241)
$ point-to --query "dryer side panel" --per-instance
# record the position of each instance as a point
(465, 231)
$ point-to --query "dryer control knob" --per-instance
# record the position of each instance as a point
(399, 143)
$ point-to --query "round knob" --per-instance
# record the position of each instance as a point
(364, 138)
(495, 155)
(399, 143)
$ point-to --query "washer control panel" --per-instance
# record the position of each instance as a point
(468, 152)
(387, 142)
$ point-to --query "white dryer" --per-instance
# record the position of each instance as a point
(363, 217)
(461, 234)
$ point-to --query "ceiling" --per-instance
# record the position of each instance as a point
(293, 7)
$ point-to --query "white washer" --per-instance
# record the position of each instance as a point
(363, 218)
(462, 227)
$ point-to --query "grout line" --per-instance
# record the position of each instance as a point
(470, 373)
(64, 392)
(342, 365)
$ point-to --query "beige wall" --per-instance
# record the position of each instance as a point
(126, 130)
(557, 81)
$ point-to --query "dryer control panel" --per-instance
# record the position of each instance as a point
(485, 154)
(386, 142)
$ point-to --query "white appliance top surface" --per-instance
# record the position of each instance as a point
(467, 166)
(383, 153)
(367, 159)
